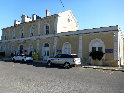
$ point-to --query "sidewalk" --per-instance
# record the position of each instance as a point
(106, 68)
(94, 67)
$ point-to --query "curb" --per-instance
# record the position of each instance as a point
(105, 68)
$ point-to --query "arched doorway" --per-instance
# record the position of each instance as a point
(66, 49)
(21, 49)
(97, 45)
(46, 51)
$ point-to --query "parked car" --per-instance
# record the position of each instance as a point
(22, 58)
(65, 59)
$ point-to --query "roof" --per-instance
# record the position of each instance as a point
(55, 15)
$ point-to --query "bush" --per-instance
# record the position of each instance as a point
(96, 55)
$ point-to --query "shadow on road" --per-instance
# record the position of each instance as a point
(35, 64)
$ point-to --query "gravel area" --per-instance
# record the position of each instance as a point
(38, 78)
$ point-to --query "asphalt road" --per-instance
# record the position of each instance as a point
(38, 78)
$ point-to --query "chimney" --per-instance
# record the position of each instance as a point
(34, 17)
(47, 12)
(25, 18)
(16, 22)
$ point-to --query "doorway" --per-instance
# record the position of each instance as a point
(46, 51)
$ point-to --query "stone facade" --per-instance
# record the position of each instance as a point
(55, 34)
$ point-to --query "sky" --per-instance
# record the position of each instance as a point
(89, 13)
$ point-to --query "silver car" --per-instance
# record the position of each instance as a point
(22, 58)
(65, 59)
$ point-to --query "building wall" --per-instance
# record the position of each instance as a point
(38, 43)
(107, 38)
(66, 22)
(73, 40)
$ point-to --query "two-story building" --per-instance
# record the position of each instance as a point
(55, 34)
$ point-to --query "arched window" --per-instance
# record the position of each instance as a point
(96, 45)
(21, 33)
(21, 49)
(13, 34)
(66, 48)
(4, 36)
(31, 31)
(30, 50)
(47, 29)
(46, 45)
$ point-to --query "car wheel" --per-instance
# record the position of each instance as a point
(49, 63)
(67, 65)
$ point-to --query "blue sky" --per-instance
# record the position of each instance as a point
(89, 13)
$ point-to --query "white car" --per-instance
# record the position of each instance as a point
(65, 59)
(22, 58)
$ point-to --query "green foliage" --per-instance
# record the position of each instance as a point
(96, 55)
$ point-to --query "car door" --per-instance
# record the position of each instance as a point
(17, 58)
(20, 58)
(23, 58)
(60, 59)
(56, 59)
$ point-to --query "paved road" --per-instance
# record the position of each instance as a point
(38, 78)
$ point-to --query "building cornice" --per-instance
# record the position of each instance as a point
(79, 32)
(44, 18)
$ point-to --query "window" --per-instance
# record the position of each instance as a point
(32, 31)
(31, 48)
(21, 49)
(46, 45)
(13, 34)
(66, 48)
(96, 49)
(69, 20)
(96, 45)
(93, 49)
(47, 29)
(100, 49)
(47, 53)
(22, 33)
(4, 37)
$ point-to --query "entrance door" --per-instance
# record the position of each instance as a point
(21, 49)
(66, 49)
(46, 51)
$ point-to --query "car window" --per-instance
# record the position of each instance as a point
(62, 56)
(57, 56)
